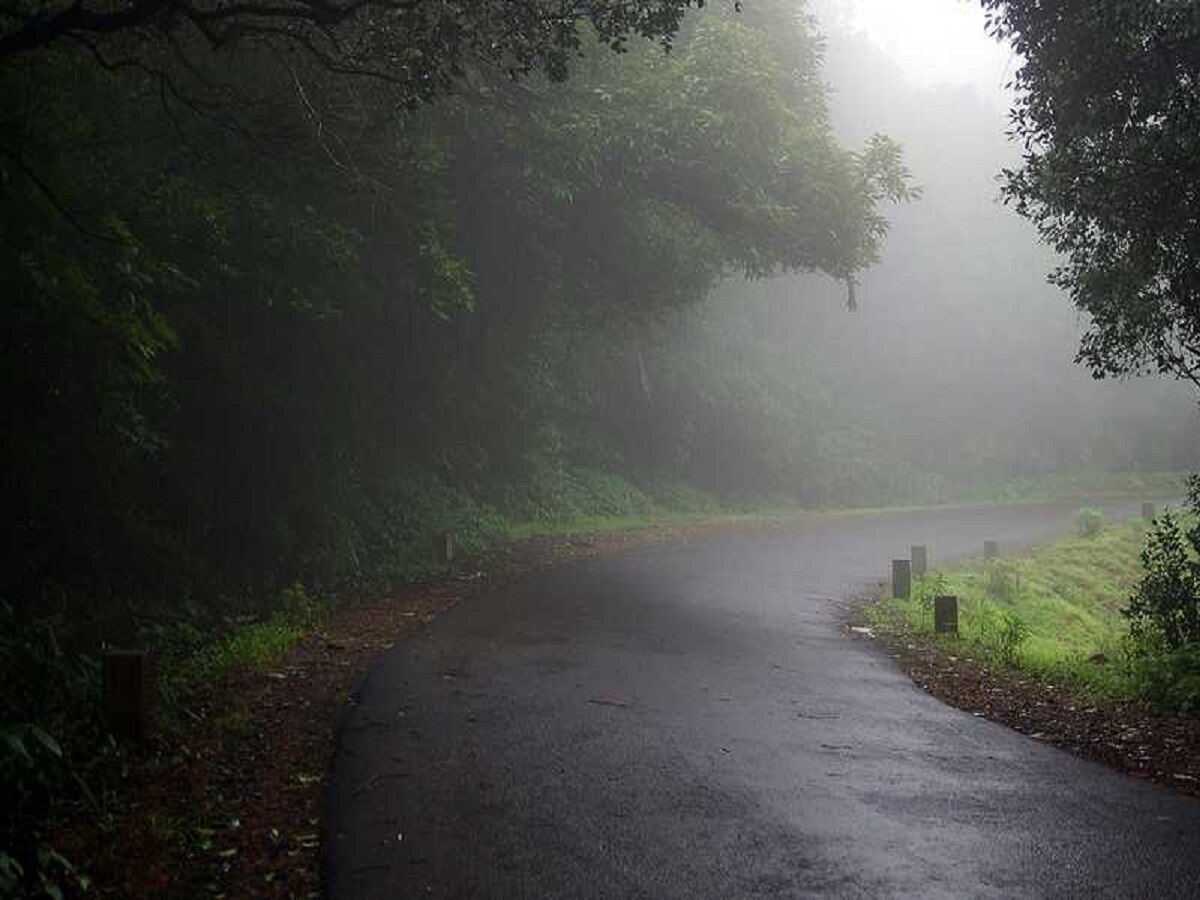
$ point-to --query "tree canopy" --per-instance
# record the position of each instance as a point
(419, 45)
(1108, 110)
(277, 333)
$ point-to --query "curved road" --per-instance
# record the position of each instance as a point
(689, 721)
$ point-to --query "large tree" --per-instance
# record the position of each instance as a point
(1108, 109)
(420, 45)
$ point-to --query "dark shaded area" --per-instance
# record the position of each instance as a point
(268, 322)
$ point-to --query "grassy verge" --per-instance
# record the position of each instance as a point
(665, 508)
(583, 525)
(1054, 614)
(1082, 484)
(1045, 650)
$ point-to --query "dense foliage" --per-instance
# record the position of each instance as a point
(250, 346)
(1109, 115)
(420, 49)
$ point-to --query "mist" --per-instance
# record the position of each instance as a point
(958, 371)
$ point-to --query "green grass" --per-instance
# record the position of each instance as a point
(604, 503)
(255, 646)
(1081, 484)
(1046, 613)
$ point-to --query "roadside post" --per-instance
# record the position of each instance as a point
(945, 615)
(126, 680)
(920, 560)
(901, 578)
(991, 550)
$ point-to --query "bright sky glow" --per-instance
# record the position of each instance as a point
(934, 41)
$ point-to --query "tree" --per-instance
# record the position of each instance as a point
(419, 45)
(1164, 611)
(1108, 110)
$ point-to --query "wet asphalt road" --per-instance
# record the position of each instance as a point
(689, 721)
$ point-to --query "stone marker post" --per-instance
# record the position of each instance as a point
(991, 550)
(920, 560)
(443, 547)
(1148, 511)
(901, 578)
(126, 676)
(945, 615)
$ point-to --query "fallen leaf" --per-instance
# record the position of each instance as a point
(609, 701)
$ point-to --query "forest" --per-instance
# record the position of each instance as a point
(271, 323)
(290, 293)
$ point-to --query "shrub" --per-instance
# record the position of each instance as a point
(1164, 611)
(928, 588)
(1000, 633)
(1010, 637)
(1089, 521)
(1169, 679)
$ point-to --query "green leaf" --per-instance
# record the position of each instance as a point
(46, 741)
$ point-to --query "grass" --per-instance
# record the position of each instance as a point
(751, 514)
(669, 506)
(253, 646)
(249, 646)
(1046, 614)
(1080, 484)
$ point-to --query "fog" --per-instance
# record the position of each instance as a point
(959, 365)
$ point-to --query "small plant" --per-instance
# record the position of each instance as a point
(1089, 521)
(928, 588)
(32, 770)
(1010, 636)
(1170, 679)
(1000, 633)
(295, 606)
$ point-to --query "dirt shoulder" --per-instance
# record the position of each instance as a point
(231, 804)
(1129, 737)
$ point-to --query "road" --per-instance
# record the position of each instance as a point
(689, 720)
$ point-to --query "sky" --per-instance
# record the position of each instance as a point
(935, 42)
